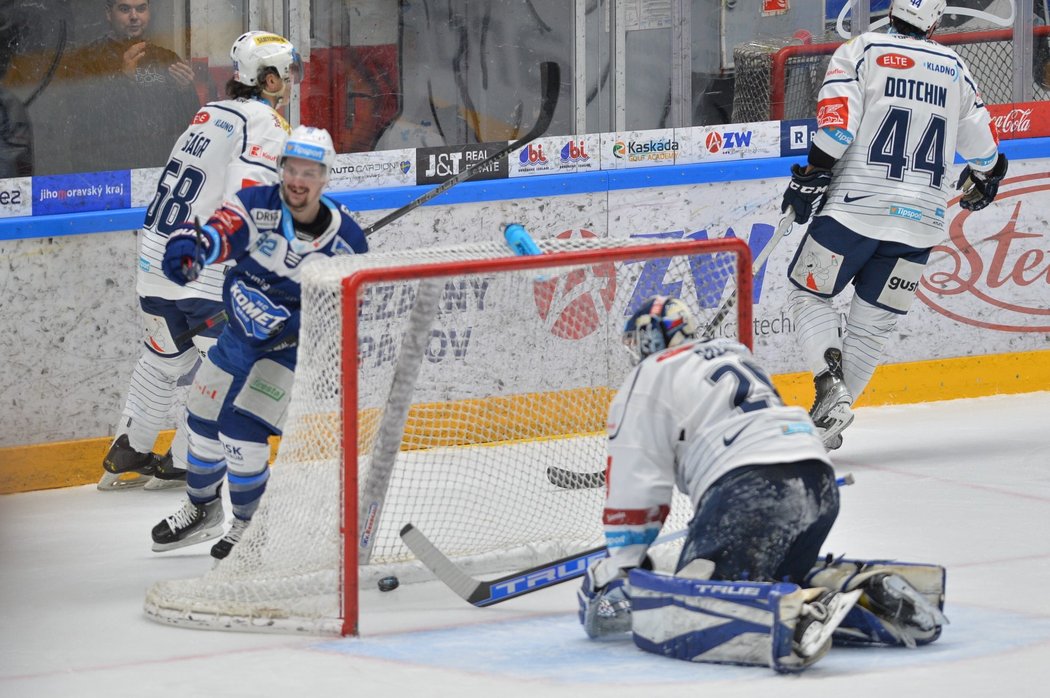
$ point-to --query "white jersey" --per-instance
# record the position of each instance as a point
(894, 110)
(230, 144)
(687, 416)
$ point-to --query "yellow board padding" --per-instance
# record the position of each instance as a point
(561, 414)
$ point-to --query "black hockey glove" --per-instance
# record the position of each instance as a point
(979, 188)
(806, 192)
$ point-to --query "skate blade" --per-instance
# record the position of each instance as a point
(156, 483)
(837, 610)
(200, 536)
(840, 417)
(112, 482)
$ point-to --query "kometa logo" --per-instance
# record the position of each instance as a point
(575, 304)
(1000, 280)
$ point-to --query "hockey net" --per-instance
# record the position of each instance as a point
(474, 372)
(780, 78)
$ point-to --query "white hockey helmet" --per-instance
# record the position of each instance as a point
(921, 14)
(660, 323)
(254, 52)
(310, 143)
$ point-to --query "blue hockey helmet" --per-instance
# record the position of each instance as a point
(660, 323)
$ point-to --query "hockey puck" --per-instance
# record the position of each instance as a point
(388, 584)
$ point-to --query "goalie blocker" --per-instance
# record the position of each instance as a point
(782, 625)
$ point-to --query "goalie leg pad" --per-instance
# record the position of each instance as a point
(902, 604)
(750, 623)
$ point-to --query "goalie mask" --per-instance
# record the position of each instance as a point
(660, 323)
(255, 52)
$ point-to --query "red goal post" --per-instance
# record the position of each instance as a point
(779, 79)
(436, 387)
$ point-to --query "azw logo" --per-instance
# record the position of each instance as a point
(574, 305)
(994, 270)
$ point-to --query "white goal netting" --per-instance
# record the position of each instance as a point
(461, 403)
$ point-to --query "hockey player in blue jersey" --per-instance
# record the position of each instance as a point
(747, 587)
(241, 393)
(894, 109)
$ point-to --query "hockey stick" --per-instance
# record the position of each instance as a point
(572, 480)
(550, 85)
(482, 593)
(783, 228)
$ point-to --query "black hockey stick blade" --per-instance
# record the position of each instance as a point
(550, 86)
(482, 593)
(572, 480)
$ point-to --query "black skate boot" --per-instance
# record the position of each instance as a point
(895, 601)
(831, 411)
(165, 474)
(220, 550)
(122, 458)
(193, 523)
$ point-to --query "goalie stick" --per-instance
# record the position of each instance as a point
(782, 229)
(550, 86)
(573, 480)
(483, 593)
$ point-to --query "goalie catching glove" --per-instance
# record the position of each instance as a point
(979, 188)
(806, 192)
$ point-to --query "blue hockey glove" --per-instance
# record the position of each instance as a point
(186, 253)
(806, 192)
(979, 188)
(604, 610)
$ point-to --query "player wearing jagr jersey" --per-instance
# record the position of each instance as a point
(892, 112)
(230, 144)
(241, 393)
(703, 416)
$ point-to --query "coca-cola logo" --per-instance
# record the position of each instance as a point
(1015, 121)
(575, 304)
(993, 271)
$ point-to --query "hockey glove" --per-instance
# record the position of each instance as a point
(604, 610)
(806, 192)
(187, 252)
(979, 188)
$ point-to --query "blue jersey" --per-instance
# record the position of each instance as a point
(261, 292)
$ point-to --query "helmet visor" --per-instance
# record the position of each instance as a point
(295, 68)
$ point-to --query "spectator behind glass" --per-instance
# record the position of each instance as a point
(122, 78)
(16, 136)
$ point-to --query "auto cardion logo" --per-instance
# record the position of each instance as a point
(993, 271)
(575, 304)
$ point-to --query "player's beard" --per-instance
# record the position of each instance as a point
(297, 197)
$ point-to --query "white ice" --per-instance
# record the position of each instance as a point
(965, 484)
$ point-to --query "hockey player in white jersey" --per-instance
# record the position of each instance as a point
(892, 112)
(703, 416)
(230, 144)
(241, 392)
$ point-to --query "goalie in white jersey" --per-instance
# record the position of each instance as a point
(894, 109)
(230, 144)
(703, 416)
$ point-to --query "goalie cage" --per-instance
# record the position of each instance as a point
(778, 78)
(452, 384)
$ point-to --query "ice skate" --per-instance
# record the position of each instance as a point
(220, 550)
(125, 468)
(817, 624)
(831, 411)
(165, 474)
(193, 523)
(897, 602)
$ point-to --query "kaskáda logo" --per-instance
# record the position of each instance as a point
(993, 271)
